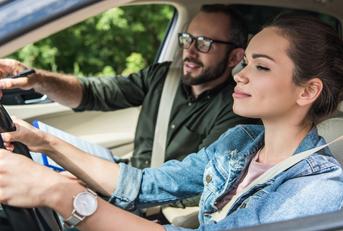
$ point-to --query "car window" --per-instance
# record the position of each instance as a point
(256, 16)
(119, 41)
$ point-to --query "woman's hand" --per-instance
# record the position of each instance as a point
(33, 138)
(24, 183)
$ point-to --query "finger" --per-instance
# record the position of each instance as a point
(9, 146)
(8, 83)
(21, 124)
(17, 135)
(6, 68)
(8, 137)
(10, 66)
(18, 123)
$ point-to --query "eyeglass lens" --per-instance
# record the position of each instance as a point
(201, 43)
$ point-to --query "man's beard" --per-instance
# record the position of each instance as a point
(209, 74)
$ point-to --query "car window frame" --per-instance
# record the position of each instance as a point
(13, 24)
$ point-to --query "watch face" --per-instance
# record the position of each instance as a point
(85, 203)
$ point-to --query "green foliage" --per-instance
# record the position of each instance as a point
(119, 41)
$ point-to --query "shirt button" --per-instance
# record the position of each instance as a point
(208, 179)
(172, 126)
(189, 104)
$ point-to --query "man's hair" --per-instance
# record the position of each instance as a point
(238, 29)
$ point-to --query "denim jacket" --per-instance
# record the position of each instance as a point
(312, 186)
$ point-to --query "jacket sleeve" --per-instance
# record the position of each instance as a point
(153, 186)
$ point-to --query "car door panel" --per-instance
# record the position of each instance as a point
(114, 130)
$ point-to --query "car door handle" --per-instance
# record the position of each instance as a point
(41, 100)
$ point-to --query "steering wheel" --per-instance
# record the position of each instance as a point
(26, 219)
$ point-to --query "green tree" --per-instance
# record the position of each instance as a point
(119, 41)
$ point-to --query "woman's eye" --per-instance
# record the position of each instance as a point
(262, 68)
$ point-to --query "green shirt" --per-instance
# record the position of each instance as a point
(194, 122)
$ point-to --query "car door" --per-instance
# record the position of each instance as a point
(114, 130)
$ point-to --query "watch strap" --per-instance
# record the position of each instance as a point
(73, 220)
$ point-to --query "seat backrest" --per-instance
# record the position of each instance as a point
(331, 129)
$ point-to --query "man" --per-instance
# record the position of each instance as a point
(202, 109)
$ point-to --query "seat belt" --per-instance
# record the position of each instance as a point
(163, 116)
(269, 174)
(160, 137)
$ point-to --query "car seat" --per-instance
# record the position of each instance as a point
(331, 129)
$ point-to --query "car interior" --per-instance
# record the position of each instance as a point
(109, 129)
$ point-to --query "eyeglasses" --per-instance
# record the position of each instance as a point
(202, 43)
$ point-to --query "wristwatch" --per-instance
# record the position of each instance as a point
(85, 204)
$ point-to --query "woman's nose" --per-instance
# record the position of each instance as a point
(241, 76)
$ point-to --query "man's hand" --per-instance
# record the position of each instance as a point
(10, 67)
(62, 88)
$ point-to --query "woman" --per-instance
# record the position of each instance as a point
(292, 78)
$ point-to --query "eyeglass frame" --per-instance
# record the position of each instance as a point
(204, 38)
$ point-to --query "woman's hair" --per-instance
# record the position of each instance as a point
(317, 52)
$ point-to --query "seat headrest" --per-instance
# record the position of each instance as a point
(340, 107)
(332, 128)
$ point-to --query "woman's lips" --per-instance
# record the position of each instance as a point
(240, 94)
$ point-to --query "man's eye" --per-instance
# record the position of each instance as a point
(244, 63)
(262, 68)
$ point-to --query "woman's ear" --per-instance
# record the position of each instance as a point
(235, 57)
(310, 92)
